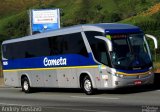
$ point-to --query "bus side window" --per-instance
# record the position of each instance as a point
(36, 48)
(98, 47)
(16, 50)
(74, 44)
(4, 51)
(56, 44)
(67, 44)
(100, 51)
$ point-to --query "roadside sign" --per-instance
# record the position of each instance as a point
(44, 20)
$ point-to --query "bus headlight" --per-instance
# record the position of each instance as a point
(118, 75)
(121, 76)
(150, 73)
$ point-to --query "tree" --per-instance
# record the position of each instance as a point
(115, 17)
(98, 7)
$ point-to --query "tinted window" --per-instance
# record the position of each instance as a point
(58, 45)
(27, 49)
(11, 51)
(67, 44)
(37, 47)
(74, 44)
(99, 47)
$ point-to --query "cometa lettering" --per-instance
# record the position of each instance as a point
(54, 62)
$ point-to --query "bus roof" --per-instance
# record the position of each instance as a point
(110, 28)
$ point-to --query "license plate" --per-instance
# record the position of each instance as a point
(138, 82)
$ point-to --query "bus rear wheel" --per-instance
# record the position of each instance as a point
(87, 86)
(25, 85)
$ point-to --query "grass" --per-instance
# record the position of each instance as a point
(157, 67)
(1, 81)
(1, 72)
(72, 8)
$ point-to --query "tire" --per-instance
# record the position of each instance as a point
(87, 86)
(26, 85)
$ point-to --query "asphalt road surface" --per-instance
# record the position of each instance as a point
(139, 99)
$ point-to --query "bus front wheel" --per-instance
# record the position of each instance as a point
(26, 85)
(87, 86)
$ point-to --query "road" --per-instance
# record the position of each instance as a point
(139, 99)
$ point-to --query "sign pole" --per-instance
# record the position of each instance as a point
(30, 19)
(59, 18)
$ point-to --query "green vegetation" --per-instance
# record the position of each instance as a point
(13, 13)
(1, 73)
(149, 22)
(14, 20)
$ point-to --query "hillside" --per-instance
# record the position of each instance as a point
(154, 9)
(148, 20)
(14, 20)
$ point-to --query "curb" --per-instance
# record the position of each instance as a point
(1, 86)
(2, 82)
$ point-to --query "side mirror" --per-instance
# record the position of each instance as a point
(109, 43)
(154, 40)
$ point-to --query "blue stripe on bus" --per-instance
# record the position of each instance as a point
(71, 60)
(124, 31)
(49, 61)
(133, 71)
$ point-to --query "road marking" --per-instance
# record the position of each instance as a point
(86, 110)
(108, 98)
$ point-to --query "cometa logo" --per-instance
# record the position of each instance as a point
(54, 62)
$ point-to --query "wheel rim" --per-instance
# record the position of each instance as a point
(25, 85)
(87, 85)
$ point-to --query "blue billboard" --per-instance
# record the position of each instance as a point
(44, 20)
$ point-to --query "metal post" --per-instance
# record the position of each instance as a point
(59, 21)
(30, 20)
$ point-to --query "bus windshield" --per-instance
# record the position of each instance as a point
(130, 52)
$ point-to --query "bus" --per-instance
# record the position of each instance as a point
(91, 57)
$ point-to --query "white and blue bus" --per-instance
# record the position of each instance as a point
(91, 57)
